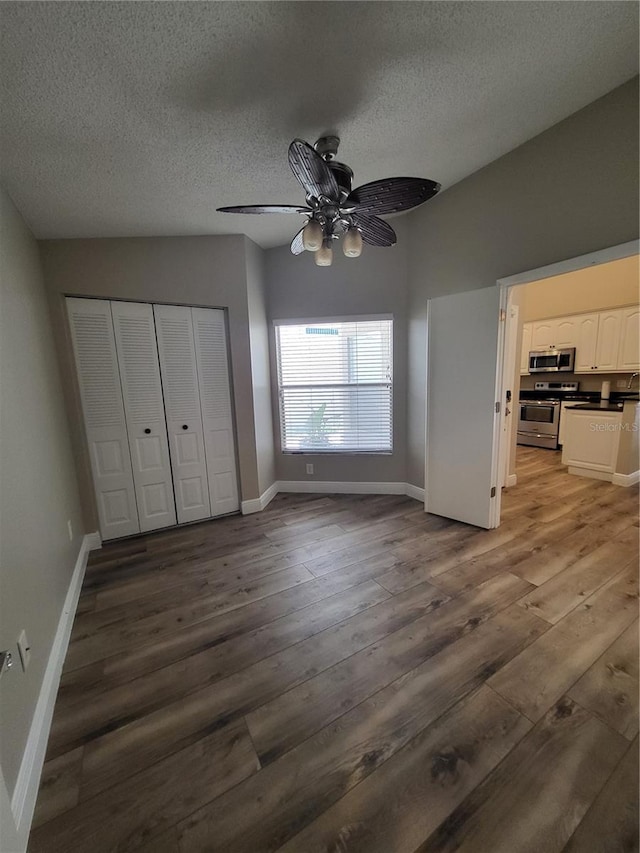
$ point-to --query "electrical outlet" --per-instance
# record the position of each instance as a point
(309, 468)
(24, 649)
(70, 529)
(621, 383)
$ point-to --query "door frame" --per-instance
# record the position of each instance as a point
(510, 356)
(591, 259)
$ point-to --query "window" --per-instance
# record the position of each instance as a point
(335, 385)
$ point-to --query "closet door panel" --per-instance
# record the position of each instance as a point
(174, 330)
(215, 395)
(94, 348)
(144, 409)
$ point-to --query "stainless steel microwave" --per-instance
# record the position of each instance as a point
(552, 361)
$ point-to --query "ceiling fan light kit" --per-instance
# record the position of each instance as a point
(324, 255)
(312, 235)
(352, 243)
(334, 210)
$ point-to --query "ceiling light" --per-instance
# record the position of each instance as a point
(352, 243)
(312, 236)
(324, 255)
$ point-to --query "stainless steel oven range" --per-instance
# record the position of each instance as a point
(539, 423)
(539, 419)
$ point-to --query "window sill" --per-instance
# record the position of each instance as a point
(337, 452)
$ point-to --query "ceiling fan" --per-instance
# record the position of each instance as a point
(334, 210)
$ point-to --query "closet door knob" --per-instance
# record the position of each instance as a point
(147, 431)
(185, 426)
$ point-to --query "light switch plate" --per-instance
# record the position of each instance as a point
(309, 468)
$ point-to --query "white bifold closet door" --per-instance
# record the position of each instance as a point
(135, 337)
(210, 336)
(174, 331)
(99, 380)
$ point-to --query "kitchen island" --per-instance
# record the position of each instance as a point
(601, 441)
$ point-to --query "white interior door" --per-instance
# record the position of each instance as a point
(99, 379)
(461, 477)
(144, 410)
(215, 399)
(174, 331)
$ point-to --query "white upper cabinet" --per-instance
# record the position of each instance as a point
(560, 333)
(605, 341)
(629, 352)
(542, 335)
(526, 348)
(586, 342)
(565, 333)
(608, 341)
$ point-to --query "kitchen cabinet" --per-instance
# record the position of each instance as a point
(591, 440)
(586, 342)
(563, 420)
(565, 333)
(605, 341)
(542, 335)
(526, 349)
(629, 351)
(608, 341)
(559, 333)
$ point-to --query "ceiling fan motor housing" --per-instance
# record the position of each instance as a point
(343, 175)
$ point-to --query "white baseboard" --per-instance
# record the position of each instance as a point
(512, 480)
(415, 492)
(94, 541)
(626, 479)
(336, 487)
(23, 801)
(258, 504)
(330, 487)
(591, 472)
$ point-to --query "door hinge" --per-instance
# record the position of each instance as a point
(493, 491)
(498, 408)
(503, 315)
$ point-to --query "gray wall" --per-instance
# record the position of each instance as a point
(260, 373)
(374, 283)
(205, 271)
(39, 491)
(567, 192)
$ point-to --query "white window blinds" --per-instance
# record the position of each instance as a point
(335, 386)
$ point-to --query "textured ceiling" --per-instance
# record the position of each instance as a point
(141, 118)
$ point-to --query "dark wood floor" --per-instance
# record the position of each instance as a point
(346, 673)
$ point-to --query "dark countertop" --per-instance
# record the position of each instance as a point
(598, 407)
(578, 396)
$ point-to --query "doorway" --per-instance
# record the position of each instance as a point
(472, 392)
(564, 292)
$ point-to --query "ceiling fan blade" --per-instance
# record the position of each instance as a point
(375, 232)
(264, 208)
(297, 246)
(311, 171)
(391, 195)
